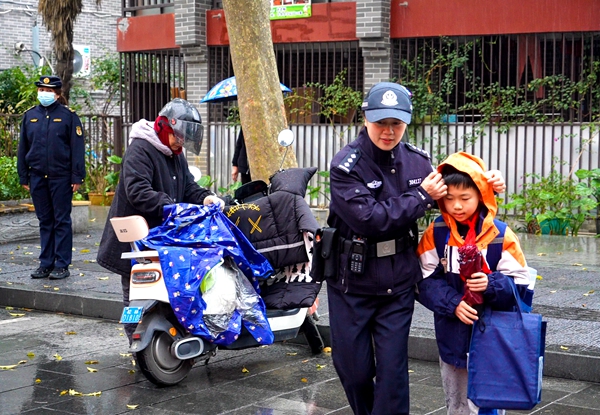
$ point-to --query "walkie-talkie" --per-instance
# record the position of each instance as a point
(358, 255)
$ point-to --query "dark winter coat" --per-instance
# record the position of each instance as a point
(376, 195)
(240, 156)
(150, 179)
(52, 144)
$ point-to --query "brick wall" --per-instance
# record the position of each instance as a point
(94, 27)
(373, 31)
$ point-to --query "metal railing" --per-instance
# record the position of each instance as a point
(145, 7)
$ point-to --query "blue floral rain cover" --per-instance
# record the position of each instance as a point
(192, 240)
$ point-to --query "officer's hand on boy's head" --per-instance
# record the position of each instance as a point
(466, 313)
(495, 178)
(434, 185)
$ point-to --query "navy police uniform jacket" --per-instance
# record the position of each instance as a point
(376, 195)
(52, 144)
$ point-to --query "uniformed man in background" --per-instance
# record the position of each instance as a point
(51, 166)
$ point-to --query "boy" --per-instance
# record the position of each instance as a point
(468, 210)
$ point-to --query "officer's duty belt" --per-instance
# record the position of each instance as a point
(384, 248)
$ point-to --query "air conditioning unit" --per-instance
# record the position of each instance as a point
(82, 62)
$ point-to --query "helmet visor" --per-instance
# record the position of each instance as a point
(188, 134)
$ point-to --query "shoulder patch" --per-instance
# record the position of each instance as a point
(30, 108)
(350, 160)
(418, 151)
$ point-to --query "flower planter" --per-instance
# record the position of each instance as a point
(99, 199)
(554, 227)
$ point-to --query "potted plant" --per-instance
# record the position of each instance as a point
(590, 185)
(555, 204)
(101, 180)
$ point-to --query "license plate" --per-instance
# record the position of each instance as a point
(131, 315)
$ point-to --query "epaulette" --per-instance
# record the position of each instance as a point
(350, 160)
(70, 109)
(30, 108)
(418, 150)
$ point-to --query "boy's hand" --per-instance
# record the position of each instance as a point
(466, 313)
(478, 282)
(495, 178)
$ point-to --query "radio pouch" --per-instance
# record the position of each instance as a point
(325, 258)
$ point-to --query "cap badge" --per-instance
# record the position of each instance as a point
(173, 121)
(389, 99)
(46, 80)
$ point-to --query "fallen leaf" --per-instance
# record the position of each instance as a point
(319, 367)
(10, 367)
(304, 361)
(411, 371)
(63, 393)
(125, 354)
(542, 254)
(58, 357)
(131, 371)
(291, 354)
(27, 253)
(121, 334)
(539, 277)
(326, 349)
(56, 288)
(132, 406)
(92, 370)
(81, 274)
(47, 286)
(70, 333)
(93, 220)
(73, 392)
(91, 362)
(30, 354)
(304, 380)
(17, 314)
(244, 370)
(577, 265)
(564, 347)
(552, 292)
(103, 278)
(38, 381)
(85, 251)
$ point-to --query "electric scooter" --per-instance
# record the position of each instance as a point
(164, 349)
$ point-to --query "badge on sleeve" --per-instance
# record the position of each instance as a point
(78, 130)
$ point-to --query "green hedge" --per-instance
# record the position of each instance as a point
(10, 189)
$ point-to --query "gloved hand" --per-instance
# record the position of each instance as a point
(214, 200)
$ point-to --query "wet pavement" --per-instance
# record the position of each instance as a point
(567, 295)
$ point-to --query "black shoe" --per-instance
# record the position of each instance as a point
(41, 272)
(59, 273)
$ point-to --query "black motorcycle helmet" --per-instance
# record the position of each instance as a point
(186, 123)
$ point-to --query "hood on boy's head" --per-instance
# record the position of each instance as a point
(474, 167)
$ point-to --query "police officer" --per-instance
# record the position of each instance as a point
(380, 186)
(51, 166)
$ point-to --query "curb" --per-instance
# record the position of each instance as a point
(557, 364)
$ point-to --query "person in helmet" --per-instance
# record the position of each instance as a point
(154, 173)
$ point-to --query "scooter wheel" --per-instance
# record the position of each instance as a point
(159, 365)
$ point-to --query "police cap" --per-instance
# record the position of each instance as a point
(388, 100)
(49, 81)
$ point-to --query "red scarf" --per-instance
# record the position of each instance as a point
(163, 130)
(470, 238)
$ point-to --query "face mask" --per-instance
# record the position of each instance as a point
(46, 98)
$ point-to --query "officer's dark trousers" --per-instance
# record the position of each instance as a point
(369, 339)
(52, 200)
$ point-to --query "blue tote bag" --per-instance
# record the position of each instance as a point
(506, 359)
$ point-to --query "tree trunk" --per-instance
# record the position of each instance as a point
(260, 98)
(64, 68)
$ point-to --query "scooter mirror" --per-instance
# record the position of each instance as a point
(285, 138)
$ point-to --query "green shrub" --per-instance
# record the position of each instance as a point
(10, 189)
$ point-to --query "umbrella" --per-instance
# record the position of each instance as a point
(226, 90)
